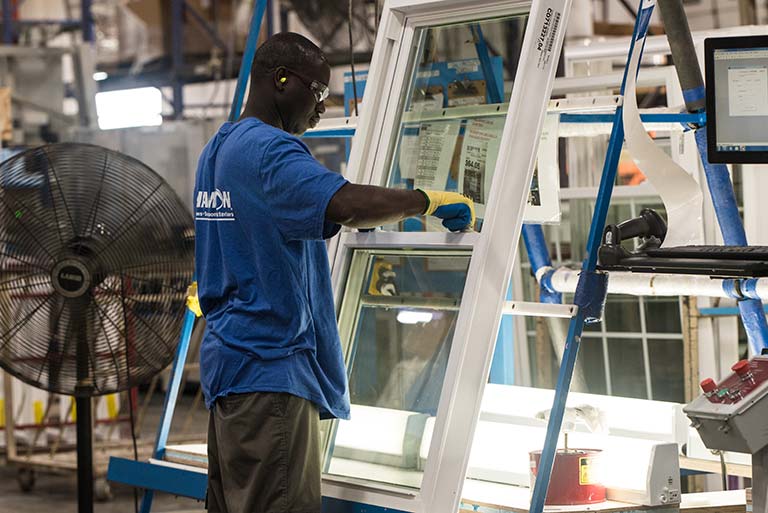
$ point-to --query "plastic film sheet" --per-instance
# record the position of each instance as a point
(679, 191)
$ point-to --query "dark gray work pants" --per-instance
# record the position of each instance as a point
(263, 454)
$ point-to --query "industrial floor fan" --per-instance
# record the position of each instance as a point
(96, 253)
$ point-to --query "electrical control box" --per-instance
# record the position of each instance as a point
(731, 415)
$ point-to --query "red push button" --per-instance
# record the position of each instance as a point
(708, 385)
(741, 368)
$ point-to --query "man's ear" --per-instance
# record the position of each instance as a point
(281, 77)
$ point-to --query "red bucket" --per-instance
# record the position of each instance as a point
(573, 480)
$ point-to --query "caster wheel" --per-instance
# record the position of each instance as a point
(26, 479)
(102, 491)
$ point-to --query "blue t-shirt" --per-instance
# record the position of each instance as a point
(262, 269)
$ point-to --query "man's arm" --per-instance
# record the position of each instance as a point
(367, 206)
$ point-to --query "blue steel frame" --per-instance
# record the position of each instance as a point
(724, 311)
(585, 287)
(732, 229)
(685, 119)
(245, 66)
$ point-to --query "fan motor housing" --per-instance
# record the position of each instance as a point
(71, 277)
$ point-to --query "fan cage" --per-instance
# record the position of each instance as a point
(96, 254)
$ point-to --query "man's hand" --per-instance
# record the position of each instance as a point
(456, 210)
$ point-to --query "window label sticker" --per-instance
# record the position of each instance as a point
(547, 35)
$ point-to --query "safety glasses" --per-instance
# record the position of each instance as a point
(318, 89)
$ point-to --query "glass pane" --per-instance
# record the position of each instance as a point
(667, 376)
(622, 313)
(662, 314)
(398, 317)
(627, 368)
(591, 358)
(453, 112)
(331, 153)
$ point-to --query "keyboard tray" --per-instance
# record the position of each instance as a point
(714, 261)
(753, 253)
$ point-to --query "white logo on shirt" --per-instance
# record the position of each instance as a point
(214, 206)
(217, 199)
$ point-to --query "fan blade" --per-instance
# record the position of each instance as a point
(141, 357)
(52, 359)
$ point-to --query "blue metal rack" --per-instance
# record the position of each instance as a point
(592, 287)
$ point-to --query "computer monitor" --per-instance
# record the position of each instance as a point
(737, 99)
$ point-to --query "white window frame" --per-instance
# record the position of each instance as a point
(493, 251)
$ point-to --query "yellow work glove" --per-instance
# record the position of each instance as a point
(456, 210)
(192, 301)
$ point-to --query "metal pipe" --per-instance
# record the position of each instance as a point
(84, 454)
(8, 31)
(177, 56)
(650, 284)
(270, 18)
(247, 62)
(171, 396)
(210, 31)
(86, 21)
(683, 53)
(732, 230)
(538, 255)
(556, 414)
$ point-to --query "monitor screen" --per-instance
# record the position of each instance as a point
(737, 99)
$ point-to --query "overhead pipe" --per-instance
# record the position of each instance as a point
(718, 178)
(538, 256)
(651, 284)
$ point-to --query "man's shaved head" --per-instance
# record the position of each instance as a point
(287, 49)
(288, 76)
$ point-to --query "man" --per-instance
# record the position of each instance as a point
(270, 362)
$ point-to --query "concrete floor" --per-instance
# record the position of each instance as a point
(58, 493)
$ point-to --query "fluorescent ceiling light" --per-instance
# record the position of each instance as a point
(129, 107)
(100, 75)
(413, 316)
